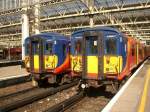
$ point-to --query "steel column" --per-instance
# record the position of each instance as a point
(25, 28)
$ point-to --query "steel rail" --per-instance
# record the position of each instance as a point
(14, 81)
(66, 104)
(33, 98)
(17, 93)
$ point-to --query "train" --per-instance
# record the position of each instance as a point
(47, 57)
(10, 53)
(104, 56)
(98, 56)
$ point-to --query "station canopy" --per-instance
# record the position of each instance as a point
(65, 16)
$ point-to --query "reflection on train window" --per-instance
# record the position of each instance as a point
(35, 47)
(49, 48)
(91, 45)
(111, 46)
(78, 48)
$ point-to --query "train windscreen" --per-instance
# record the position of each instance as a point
(78, 47)
(49, 48)
(111, 46)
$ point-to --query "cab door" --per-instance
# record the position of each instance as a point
(36, 54)
(92, 53)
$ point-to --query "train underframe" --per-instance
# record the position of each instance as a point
(45, 79)
(105, 82)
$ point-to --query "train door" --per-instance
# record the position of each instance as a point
(92, 53)
(36, 54)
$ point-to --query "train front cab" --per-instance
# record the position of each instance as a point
(103, 55)
(44, 57)
(34, 59)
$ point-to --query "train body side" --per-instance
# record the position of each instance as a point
(118, 56)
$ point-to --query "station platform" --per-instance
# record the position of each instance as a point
(8, 61)
(5, 63)
(12, 72)
(134, 96)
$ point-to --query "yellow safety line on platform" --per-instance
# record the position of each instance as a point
(145, 92)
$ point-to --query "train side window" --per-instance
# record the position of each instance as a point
(125, 47)
(78, 45)
(133, 51)
(111, 46)
(49, 48)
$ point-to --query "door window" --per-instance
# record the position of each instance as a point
(91, 45)
(36, 47)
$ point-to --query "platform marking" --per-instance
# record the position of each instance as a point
(111, 103)
(145, 92)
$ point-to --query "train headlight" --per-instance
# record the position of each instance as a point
(83, 86)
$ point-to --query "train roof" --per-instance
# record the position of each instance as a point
(97, 28)
(51, 35)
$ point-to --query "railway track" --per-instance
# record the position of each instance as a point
(32, 96)
(2, 97)
(66, 104)
(98, 99)
(14, 81)
(83, 98)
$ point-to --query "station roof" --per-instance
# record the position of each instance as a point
(65, 16)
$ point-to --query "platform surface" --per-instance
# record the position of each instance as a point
(8, 61)
(135, 97)
(12, 72)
